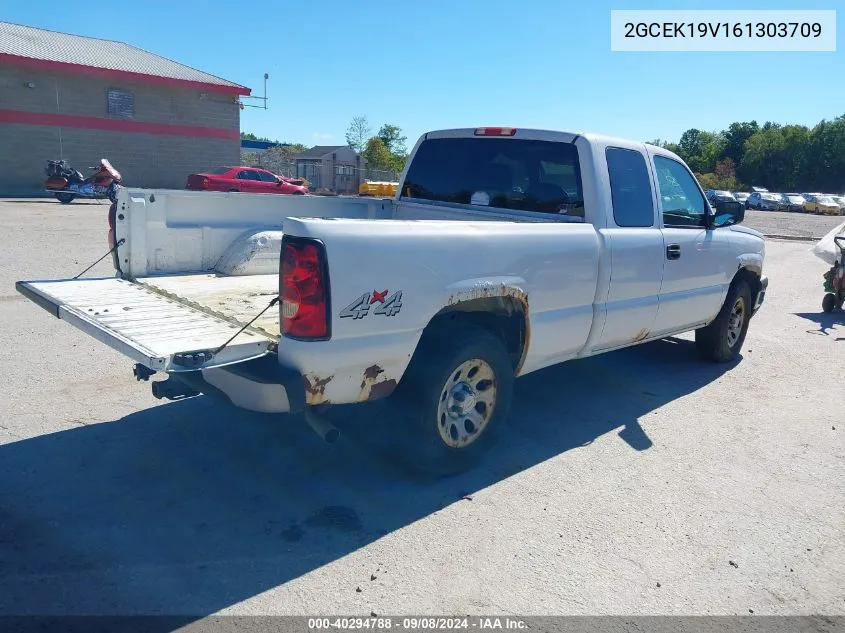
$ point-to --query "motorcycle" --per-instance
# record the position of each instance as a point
(67, 183)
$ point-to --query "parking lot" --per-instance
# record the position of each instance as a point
(638, 482)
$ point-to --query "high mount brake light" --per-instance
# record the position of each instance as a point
(495, 131)
(304, 290)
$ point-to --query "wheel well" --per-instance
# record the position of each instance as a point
(503, 316)
(751, 277)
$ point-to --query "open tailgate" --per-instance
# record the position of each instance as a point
(157, 331)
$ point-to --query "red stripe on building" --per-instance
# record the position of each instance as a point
(113, 125)
(46, 64)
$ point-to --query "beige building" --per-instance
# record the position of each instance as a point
(82, 99)
(335, 168)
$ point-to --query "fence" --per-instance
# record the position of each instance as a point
(322, 176)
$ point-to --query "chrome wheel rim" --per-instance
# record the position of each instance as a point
(467, 402)
(735, 321)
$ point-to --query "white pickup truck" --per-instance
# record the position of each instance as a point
(504, 251)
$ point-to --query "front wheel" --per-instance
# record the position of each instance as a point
(829, 302)
(723, 338)
(458, 390)
(64, 197)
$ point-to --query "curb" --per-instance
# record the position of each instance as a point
(791, 238)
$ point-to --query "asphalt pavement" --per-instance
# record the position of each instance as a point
(638, 482)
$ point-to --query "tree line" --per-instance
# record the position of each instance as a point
(778, 157)
(386, 150)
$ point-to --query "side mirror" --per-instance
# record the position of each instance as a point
(728, 213)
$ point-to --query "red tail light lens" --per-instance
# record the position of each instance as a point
(495, 131)
(304, 290)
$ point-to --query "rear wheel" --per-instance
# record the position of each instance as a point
(723, 338)
(64, 197)
(458, 391)
(829, 302)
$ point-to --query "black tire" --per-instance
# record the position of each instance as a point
(829, 302)
(432, 371)
(233, 191)
(718, 342)
(65, 198)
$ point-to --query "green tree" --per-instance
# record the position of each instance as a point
(735, 137)
(377, 155)
(700, 150)
(358, 133)
(823, 165)
(394, 141)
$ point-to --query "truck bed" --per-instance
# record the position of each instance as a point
(236, 299)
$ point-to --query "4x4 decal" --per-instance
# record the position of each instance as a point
(387, 305)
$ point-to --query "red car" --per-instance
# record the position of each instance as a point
(246, 179)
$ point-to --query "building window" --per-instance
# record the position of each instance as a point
(343, 170)
(120, 103)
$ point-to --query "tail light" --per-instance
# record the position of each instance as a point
(495, 131)
(304, 285)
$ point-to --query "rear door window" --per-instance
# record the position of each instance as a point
(505, 173)
(630, 188)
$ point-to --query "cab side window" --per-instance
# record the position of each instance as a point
(683, 204)
(630, 188)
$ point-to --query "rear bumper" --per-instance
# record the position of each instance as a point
(761, 295)
(261, 385)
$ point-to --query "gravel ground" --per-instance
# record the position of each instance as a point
(637, 482)
(791, 224)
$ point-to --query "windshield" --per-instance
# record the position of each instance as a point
(825, 200)
(505, 173)
(794, 198)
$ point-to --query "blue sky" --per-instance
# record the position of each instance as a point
(462, 63)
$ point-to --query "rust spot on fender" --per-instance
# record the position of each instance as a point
(641, 335)
(372, 388)
(382, 389)
(487, 291)
(371, 373)
(315, 389)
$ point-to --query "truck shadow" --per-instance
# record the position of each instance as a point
(194, 506)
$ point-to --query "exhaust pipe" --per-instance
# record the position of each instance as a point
(326, 430)
(172, 389)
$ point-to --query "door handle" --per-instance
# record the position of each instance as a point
(673, 251)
